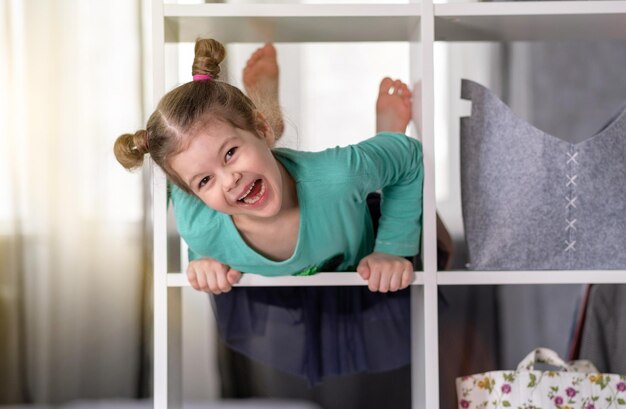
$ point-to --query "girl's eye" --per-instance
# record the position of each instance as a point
(204, 181)
(230, 153)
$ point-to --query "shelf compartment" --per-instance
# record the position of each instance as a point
(320, 279)
(531, 277)
(256, 23)
(531, 21)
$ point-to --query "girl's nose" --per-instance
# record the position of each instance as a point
(232, 180)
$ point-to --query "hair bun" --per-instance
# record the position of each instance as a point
(130, 149)
(209, 54)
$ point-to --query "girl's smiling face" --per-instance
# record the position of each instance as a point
(232, 170)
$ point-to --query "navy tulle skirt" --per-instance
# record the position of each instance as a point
(317, 332)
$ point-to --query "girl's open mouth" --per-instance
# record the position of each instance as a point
(254, 193)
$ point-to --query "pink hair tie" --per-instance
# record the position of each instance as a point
(200, 77)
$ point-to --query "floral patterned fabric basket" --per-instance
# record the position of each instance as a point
(577, 385)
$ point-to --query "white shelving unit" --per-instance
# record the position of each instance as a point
(419, 24)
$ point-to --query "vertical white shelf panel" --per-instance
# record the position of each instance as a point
(160, 289)
(424, 314)
(159, 223)
(167, 320)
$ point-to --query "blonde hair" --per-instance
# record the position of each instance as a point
(184, 107)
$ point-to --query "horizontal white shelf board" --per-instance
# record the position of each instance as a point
(531, 277)
(290, 10)
(548, 8)
(531, 21)
(442, 277)
(320, 279)
(493, 21)
(255, 23)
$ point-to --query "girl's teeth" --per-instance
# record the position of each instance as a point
(254, 199)
(248, 192)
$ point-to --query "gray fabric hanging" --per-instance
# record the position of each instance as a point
(603, 335)
(532, 201)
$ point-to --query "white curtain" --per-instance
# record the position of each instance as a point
(71, 219)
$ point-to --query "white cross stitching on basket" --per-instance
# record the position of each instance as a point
(570, 245)
(570, 202)
(570, 224)
(571, 180)
(572, 158)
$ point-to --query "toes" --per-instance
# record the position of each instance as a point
(406, 92)
(394, 87)
(266, 52)
(269, 50)
(254, 58)
(400, 89)
(397, 87)
(385, 86)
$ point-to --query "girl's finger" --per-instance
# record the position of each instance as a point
(385, 279)
(212, 283)
(364, 270)
(396, 281)
(201, 279)
(193, 280)
(233, 276)
(407, 278)
(222, 282)
(374, 281)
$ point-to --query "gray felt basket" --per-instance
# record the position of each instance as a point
(532, 201)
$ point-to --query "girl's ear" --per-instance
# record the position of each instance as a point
(264, 129)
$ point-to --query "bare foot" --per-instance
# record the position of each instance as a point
(393, 106)
(260, 79)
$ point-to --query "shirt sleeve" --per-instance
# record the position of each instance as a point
(393, 164)
(196, 223)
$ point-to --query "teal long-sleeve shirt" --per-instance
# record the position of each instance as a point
(335, 226)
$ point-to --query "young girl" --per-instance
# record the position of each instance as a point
(243, 207)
